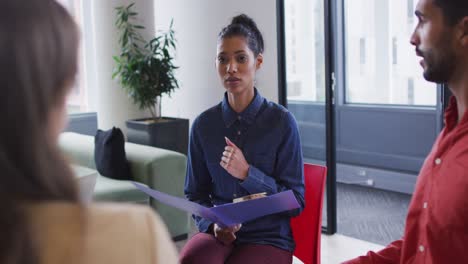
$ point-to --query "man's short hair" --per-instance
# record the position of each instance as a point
(453, 10)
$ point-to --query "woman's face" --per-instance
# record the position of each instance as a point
(237, 64)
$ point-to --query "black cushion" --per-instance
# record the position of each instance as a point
(109, 154)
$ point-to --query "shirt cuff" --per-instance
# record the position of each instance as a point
(257, 182)
(204, 225)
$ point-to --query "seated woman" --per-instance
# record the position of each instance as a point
(242, 146)
(41, 217)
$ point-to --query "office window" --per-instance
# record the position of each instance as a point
(77, 100)
(304, 37)
(394, 50)
(362, 51)
(377, 35)
(410, 91)
(410, 9)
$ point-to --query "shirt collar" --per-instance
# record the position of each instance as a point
(451, 115)
(248, 115)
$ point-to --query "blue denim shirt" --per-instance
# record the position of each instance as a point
(268, 136)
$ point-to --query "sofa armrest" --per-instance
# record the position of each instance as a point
(160, 169)
(79, 148)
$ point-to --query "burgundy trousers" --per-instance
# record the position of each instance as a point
(206, 249)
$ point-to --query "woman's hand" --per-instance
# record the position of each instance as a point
(226, 235)
(233, 161)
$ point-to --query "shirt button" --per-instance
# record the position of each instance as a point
(239, 117)
(425, 205)
(438, 161)
(421, 248)
(238, 133)
(234, 195)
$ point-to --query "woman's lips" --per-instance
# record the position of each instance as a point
(233, 81)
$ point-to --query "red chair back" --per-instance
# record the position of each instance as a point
(307, 227)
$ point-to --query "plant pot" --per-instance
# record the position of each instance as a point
(166, 132)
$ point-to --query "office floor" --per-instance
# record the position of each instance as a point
(338, 248)
(370, 214)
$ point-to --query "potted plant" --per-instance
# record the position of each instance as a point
(146, 71)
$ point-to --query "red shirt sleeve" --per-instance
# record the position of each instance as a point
(389, 255)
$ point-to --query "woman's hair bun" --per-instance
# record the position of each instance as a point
(243, 19)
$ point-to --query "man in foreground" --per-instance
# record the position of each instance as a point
(436, 228)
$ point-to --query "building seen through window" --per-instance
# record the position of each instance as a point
(77, 100)
(389, 71)
(304, 36)
(381, 66)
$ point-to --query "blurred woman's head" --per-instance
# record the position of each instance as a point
(38, 60)
(38, 63)
(239, 54)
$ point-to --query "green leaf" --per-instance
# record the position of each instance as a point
(145, 69)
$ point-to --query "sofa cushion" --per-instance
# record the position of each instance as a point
(119, 191)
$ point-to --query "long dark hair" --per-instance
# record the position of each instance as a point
(38, 60)
(244, 26)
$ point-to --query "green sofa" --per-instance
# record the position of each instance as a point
(160, 169)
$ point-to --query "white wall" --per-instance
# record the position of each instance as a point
(109, 100)
(197, 24)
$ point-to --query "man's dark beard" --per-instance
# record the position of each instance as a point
(439, 68)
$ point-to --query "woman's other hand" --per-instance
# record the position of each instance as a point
(226, 235)
(233, 161)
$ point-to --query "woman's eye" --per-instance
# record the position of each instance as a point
(242, 58)
(222, 60)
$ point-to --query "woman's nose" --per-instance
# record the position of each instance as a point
(231, 67)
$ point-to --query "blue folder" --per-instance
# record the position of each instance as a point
(231, 213)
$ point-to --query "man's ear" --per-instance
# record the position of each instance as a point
(463, 29)
(259, 61)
